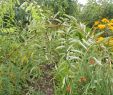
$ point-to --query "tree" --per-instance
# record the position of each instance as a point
(69, 7)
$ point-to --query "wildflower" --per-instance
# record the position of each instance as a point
(96, 22)
(111, 20)
(111, 28)
(99, 39)
(101, 26)
(83, 79)
(105, 20)
(110, 42)
(91, 61)
(110, 24)
(68, 88)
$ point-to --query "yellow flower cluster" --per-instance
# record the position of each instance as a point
(101, 26)
(96, 22)
(104, 20)
(100, 39)
(108, 42)
(104, 24)
(112, 20)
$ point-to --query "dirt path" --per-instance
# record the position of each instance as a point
(43, 85)
(46, 83)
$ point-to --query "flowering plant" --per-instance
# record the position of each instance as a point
(105, 26)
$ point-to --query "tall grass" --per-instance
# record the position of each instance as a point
(32, 38)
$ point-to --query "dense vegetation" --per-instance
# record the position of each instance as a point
(46, 50)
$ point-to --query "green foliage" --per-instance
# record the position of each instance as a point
(84, 65)
(46, 54)
(95, 10)
(18, 43)
(69, 7)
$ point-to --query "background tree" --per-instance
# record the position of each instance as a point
(96, 9)
(69, 7)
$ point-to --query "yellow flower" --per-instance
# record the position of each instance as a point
(111, 28)
(111, 20)
(96, 22)
(110, 24)
(99, 39)
(105, 20)
(110, 42)
(101, 26)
